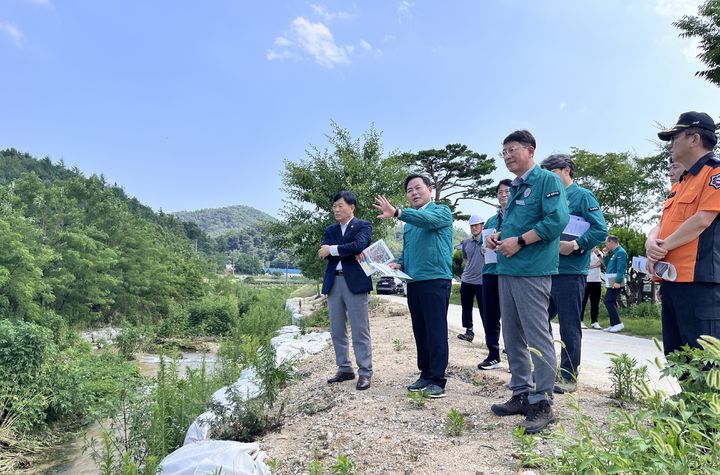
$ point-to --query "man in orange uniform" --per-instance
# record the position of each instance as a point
(688, 235)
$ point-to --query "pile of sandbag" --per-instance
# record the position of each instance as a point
(199, 454)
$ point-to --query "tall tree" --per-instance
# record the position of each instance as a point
(457, 174)
(353, 165)
(706, 27)
(629, 189)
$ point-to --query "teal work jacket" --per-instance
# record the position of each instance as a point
(539, 203)
(427, 242)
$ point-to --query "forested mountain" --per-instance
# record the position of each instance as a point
(217, 221)
(77, 251)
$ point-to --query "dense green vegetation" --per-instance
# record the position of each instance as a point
(77, 253)
(218, 221)
(654, 434)
(158, 416)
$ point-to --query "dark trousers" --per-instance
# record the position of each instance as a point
(468, 294)
(566, 297)
(428, 302)
(688, 311)
(592, 292)
(491, 315)
(611, 296)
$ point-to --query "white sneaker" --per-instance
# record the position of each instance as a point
(583, 326)
(596, 326)
(615, 328)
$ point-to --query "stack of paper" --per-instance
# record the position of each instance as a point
(377, 258)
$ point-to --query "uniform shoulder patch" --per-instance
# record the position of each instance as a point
(593, 208)
(715, 181)
(552, 194)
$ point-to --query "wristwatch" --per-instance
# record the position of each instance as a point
(521, 241)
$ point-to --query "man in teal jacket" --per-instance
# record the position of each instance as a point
(616, 261)
(528, 249)
(568, 286)
(491, 294)
(427, 258)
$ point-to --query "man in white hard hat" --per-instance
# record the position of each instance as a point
(472, 279)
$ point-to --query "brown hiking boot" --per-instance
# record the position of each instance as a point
(518, 404)
(538, 417)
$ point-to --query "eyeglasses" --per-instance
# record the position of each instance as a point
(509, 151)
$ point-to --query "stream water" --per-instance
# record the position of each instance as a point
(69, 459)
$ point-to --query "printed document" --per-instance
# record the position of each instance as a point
(377, 258)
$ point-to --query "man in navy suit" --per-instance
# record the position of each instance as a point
(347, 287)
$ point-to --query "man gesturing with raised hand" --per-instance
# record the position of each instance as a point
(427, 258)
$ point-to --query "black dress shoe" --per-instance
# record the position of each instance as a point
(363, 383)
(340, 377)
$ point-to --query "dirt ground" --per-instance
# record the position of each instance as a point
(384, 432)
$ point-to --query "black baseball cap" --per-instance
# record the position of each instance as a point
(688, 120)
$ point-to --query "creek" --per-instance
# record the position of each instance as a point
(69, 459)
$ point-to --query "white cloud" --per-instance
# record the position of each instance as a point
(13, 32)
(283, 42)
(365, 45)
(315, 40)
(272, 55)
(404, 10)
(677, 8)
(329, 16)
(562, 105)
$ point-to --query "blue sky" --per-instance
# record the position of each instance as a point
(192, 105)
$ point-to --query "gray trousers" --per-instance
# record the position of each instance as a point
(344, 305)
(524, 308)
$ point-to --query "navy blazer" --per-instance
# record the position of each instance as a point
(356, 238)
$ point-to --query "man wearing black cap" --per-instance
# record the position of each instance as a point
(688, 235)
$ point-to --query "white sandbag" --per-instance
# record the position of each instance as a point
(299, 346)
(200, 427)
(293, 305)
(216, 456)
(247, 386)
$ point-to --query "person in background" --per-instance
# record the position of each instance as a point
(593, 289)
(472, 280)
(491, 294)
(568, 285)
(675, 173)
(616, 261)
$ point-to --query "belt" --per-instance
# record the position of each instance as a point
(338, 272)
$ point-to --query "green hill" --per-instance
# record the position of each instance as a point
(218, 221)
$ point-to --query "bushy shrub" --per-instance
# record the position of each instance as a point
(24, 350)
(129, 340)
(264, 317)
(251, 418)
(176, 324)
(84, 385)
(212, 315)
(678, 434)
(642, 310)
(57, 325)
